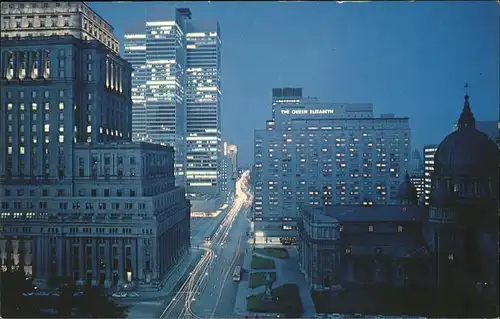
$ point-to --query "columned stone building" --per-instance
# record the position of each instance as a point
(78, 199)
(341, 245)
(124, 221)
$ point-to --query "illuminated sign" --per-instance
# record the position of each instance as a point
(307, 112)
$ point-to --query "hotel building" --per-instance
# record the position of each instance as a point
(311, 150)
(429, 151)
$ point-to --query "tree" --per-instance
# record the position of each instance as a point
(94, 303)
(91, 303)
(13, 283)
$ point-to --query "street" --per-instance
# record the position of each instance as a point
(209, 290)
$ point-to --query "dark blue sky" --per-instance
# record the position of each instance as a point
(411, 59)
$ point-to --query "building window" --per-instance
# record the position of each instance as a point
(400, 228)
(370, 228)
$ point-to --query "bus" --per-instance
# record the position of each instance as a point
(237, 274)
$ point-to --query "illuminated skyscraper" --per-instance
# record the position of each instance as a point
(135, 53)
(311, 150)
(204, 142)
(176, 95)
(158, 57)
(429, 151)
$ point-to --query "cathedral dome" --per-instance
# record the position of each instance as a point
(407, 191)
(441, 196)
(466, 151)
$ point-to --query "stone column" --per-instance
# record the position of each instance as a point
(140, 259)
(350, 270)
(39, 261)
(81, 258)
(154, 258)
(47, 256)
(133, 259)
(95, 262)
(109, 264)
(60, 256)
(68, 256)
(121, 257)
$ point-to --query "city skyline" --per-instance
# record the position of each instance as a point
(436, 46)
(122, 197)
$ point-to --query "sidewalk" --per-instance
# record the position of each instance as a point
(287, 272)
(148, 303)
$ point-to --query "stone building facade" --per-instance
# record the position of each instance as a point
(122, 220)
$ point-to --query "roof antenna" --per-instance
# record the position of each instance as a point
(466, 89)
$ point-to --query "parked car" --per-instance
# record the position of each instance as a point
(119, 295)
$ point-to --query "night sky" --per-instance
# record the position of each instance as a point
(411, 59)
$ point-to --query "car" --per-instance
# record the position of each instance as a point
(334, 315)
(119, 295)
(42, 293)
(56, 294)
(78, 294)
(26, 294)
(132, 294)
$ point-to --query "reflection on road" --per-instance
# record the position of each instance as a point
(180, 305)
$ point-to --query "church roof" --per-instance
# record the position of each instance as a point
(466, 150)
(375, 213)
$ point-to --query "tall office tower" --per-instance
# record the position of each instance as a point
(39, 19)
(67, 167)
(176, 90)
(429, 151)
(203, 97)
(232, 153)
(57, 90)
(228, 169)
(313, 150)
(135, 54)
(224, 168)
(416, 162)
(159, 56)
(285, 95)
(417, 178)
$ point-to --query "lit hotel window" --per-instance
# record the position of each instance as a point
(400, 228)
(370, 228)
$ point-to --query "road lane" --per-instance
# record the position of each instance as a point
(221, 255)
(219, 293)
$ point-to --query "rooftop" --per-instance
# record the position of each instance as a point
(362, 214)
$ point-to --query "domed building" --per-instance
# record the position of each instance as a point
(462, 229)
(450, 246)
